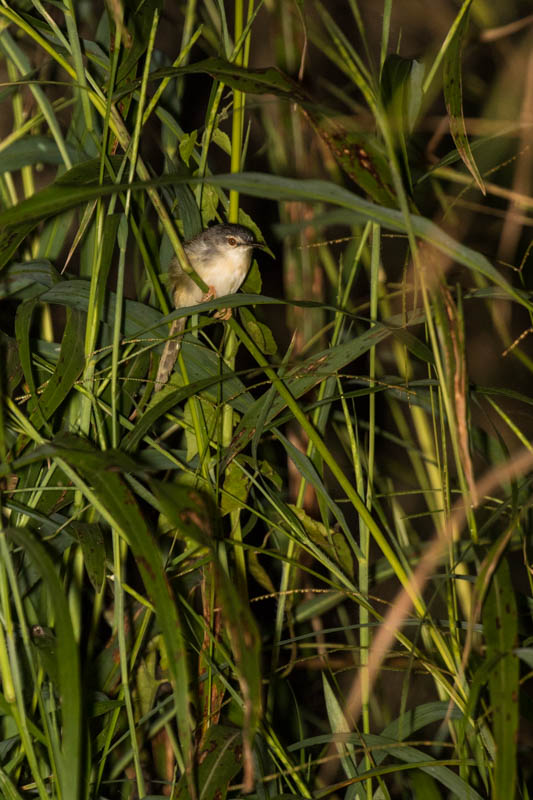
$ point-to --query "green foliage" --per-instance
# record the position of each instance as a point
(192, 602)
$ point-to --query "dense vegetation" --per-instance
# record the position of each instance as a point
(302, 569)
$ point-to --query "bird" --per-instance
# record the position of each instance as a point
(221, 255)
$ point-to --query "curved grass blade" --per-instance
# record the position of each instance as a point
(252, 81)
(275, 187)
(75, 294)
(402, 752)
(71, 189)
(453, 93)
(30, 275)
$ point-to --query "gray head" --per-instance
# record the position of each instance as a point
(225, 237)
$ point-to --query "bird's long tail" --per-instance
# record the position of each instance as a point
(170, 353)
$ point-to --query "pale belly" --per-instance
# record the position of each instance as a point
(224, 281)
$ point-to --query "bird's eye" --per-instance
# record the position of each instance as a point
(232, 241)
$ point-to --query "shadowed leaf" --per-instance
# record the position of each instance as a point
(501, 629)
(66, 664)
(453, 93)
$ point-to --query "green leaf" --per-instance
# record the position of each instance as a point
(45, 643)
(394, 80)
(222, 139)
(189, 212)
(209, 420)
(420, 350)
(252, 81)
(147, 683)
(139, 26)
(418, 717)
(210, 201)
(378, 744)
(360, 155)
(402, 98)
(68, 368)
(187, 145)
(6, 787)
(237, 485)
(11, 370)
(32, 150)
(331, 541)
(425, 788)
(91, 538)
(220, 760)
(253, 282)
(338, 724)
(77, 185)
(307, 470)
(453, 93)
(12, 238)
(75, 294)
(54, 234)
(261, 334)
(259, 573)
(22, 332)
(34, 275)
(415, 93)
(500, 623)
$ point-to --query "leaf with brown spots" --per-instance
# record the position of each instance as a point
(358, 154)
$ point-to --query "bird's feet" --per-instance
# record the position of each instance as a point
(209, 295)
(224, 313)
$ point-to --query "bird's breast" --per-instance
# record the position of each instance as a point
(226, 274)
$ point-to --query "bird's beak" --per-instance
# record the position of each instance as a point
(266, 248)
